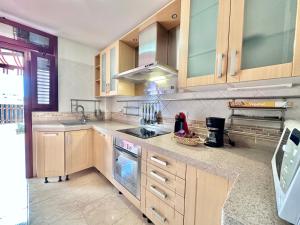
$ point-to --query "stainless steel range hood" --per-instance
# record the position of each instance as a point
(153, 57)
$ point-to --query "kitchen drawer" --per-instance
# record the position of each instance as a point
(167, 164)
(160, 213)
(170, 197)
(167, 179)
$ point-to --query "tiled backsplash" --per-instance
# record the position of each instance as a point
(242, 135)
(58, 116)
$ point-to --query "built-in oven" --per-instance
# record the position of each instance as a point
(127, 165)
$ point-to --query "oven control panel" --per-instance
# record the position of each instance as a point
(128, 146)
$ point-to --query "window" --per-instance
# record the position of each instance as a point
(27, 37)
(42, 48)
(44, 82)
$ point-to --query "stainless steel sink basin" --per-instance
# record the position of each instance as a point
(72, 123)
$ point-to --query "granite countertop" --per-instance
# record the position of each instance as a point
(251, 200)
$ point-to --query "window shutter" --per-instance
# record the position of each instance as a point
(44, 82)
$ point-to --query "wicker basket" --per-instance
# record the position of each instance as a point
(188, 141)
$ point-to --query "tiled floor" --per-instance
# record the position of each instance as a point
(86, 199)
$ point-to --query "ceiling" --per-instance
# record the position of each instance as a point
(96, 23)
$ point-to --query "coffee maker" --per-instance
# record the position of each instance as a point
(215, 127)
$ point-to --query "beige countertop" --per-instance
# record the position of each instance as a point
(251, 200)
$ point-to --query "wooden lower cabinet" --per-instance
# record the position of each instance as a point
(78, 150)
(103, 154)
(205, 197)
(161, 213)
(50, 155)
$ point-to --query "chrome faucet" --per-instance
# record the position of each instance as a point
(83, 118)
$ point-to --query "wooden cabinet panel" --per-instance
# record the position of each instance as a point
(108, 157)
(160, 213)
(50, 156)
(103, 154)
(205, 197)
(79, 151)
(98, 144)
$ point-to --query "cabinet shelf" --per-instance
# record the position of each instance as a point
(257, 118)
(259, 108)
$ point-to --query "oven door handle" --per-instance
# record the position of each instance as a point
(126, 153)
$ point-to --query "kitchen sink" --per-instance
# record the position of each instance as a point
(72, 123)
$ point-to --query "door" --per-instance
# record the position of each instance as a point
(15, 133)
(204, 42)
(261, 41)
(103, 73)
(50, 153)
(78, 150)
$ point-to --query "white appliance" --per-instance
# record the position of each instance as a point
(286, 173)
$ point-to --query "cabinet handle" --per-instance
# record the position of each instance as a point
(161, 218)
(50, 134)
(161, 162)
(220, 58)
(232, 68)
(155, 175)
(157, 192)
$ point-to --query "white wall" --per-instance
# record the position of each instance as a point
(75, 72)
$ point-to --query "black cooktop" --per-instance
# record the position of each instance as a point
(143, 132)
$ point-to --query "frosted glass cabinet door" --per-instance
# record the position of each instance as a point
(103, 73)
(113, 69)
(262, 41)
(202, 37)
(205, 26)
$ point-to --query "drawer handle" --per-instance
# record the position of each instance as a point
(159, 217)
(161, 162)
(155, 175)
(157, 192)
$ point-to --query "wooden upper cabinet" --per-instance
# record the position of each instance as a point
(79, 152)
(238, 40)
(262, 40)
(116, 58)
(204, 42)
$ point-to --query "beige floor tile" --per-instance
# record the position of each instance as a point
(106, 211)
(133, 217)
(75, 218)
(87, 198)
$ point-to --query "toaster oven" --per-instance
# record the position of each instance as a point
(286, 173)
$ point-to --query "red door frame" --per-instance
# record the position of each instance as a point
(27, 105)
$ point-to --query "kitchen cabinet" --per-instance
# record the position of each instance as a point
(116, 58)
(98, 143)
(103, 154)
(204, 42)
(259, 45)
(78, 150)
(262, 39)
(50, 155)
(205, 197)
